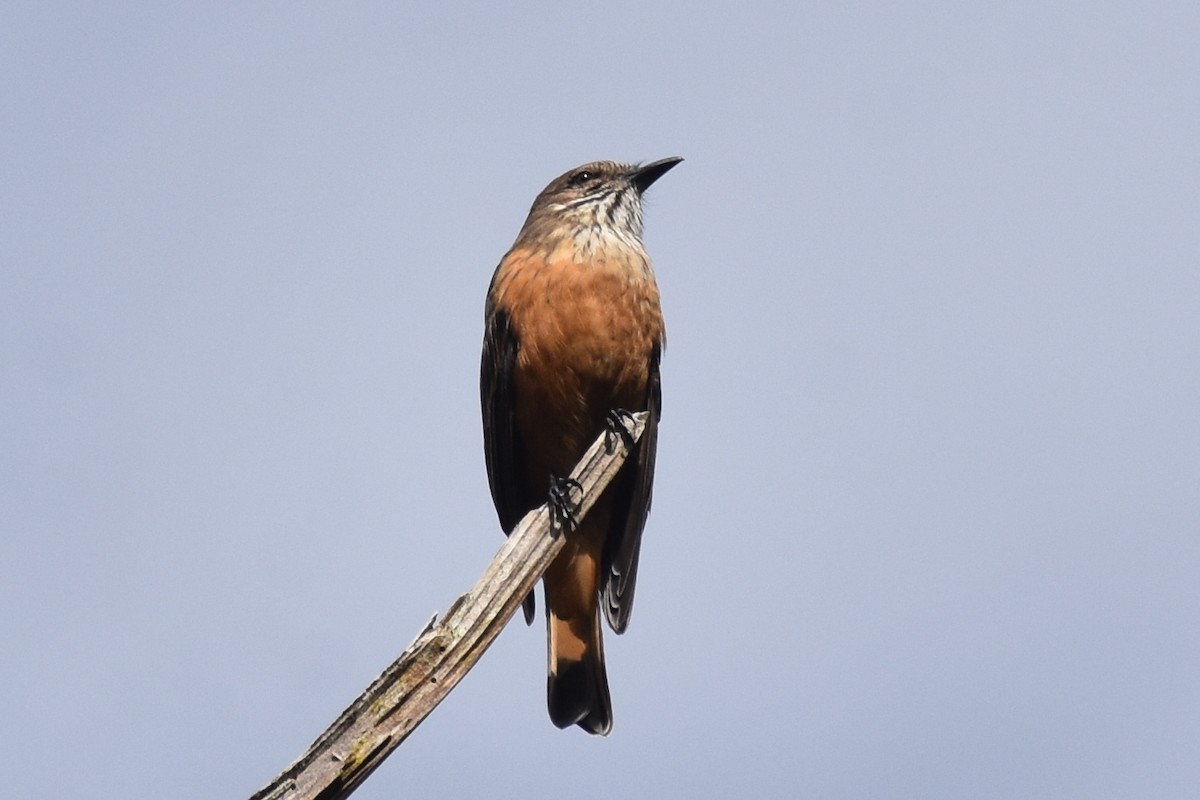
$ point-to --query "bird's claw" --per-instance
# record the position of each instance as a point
(618, 421)
(562, 506)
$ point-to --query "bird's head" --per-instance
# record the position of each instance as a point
(603, 197)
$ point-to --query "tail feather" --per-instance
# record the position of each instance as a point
(577, 687)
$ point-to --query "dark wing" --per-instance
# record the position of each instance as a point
(501, 447)
(631, 506)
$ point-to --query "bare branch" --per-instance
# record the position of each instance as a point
(398, 700)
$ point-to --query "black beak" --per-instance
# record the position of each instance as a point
(645, 175)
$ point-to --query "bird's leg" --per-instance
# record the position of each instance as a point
(618, 421)
(562, 506)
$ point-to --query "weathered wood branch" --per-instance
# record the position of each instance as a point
(398, 700)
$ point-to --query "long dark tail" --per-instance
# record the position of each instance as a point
(577, 688)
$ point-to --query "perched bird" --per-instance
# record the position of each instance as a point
(574, 332)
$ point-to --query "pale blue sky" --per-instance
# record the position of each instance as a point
(927, 503)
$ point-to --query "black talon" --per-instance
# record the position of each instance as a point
(562, 507)
(618, 421)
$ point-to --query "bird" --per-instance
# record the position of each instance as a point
(573, 337)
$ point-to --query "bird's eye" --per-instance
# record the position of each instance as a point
(581, 177)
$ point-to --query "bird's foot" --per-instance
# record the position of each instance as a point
(618, 421)
(562, 506)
